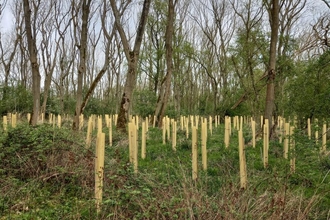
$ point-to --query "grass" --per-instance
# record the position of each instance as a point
(46, 173)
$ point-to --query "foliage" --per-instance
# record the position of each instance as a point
(96, 106)
(43, 166)
(15, 99)
(52, 105)
(144, 102)
(38, 151)
(69, 104)
(308, 95)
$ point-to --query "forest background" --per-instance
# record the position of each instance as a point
(220, 57)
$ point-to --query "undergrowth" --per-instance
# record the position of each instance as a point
(47, 173)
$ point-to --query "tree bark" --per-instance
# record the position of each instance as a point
(31, 40)
(82, 62)
(95, 81)
(66, 54)
(270, 94)
(132, 57)
(49, 70)
(166, 85)
(48, 62)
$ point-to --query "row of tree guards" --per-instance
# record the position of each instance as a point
(285, 132)
(191, 125)
(11, 119)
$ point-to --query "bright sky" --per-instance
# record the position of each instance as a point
(6, 20)
(315, 7)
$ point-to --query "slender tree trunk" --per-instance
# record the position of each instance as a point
(7, 72)
(49, 66)
(46, 91)
(61, 91)
(163, 98)
(106, 63)
(82, 62)
(23, 63)
(64, 72)
(270, 95)
(48, 80)
(94, 84)
(31, 40)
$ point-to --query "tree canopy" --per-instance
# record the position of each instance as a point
(218, 62)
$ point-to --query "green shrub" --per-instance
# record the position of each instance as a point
(43, 152)
(144, 102)
(16, 99)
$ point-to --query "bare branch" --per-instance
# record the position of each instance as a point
(327, 2)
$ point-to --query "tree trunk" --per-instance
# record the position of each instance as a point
(128, 90)
(49, 66)
(31, 40)
(93, 85)
(82, 62)
(48, 80)
(270, 95)
(23, 63)
(132, 57)
(106, 63)
(45, 95)
(165, 91)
